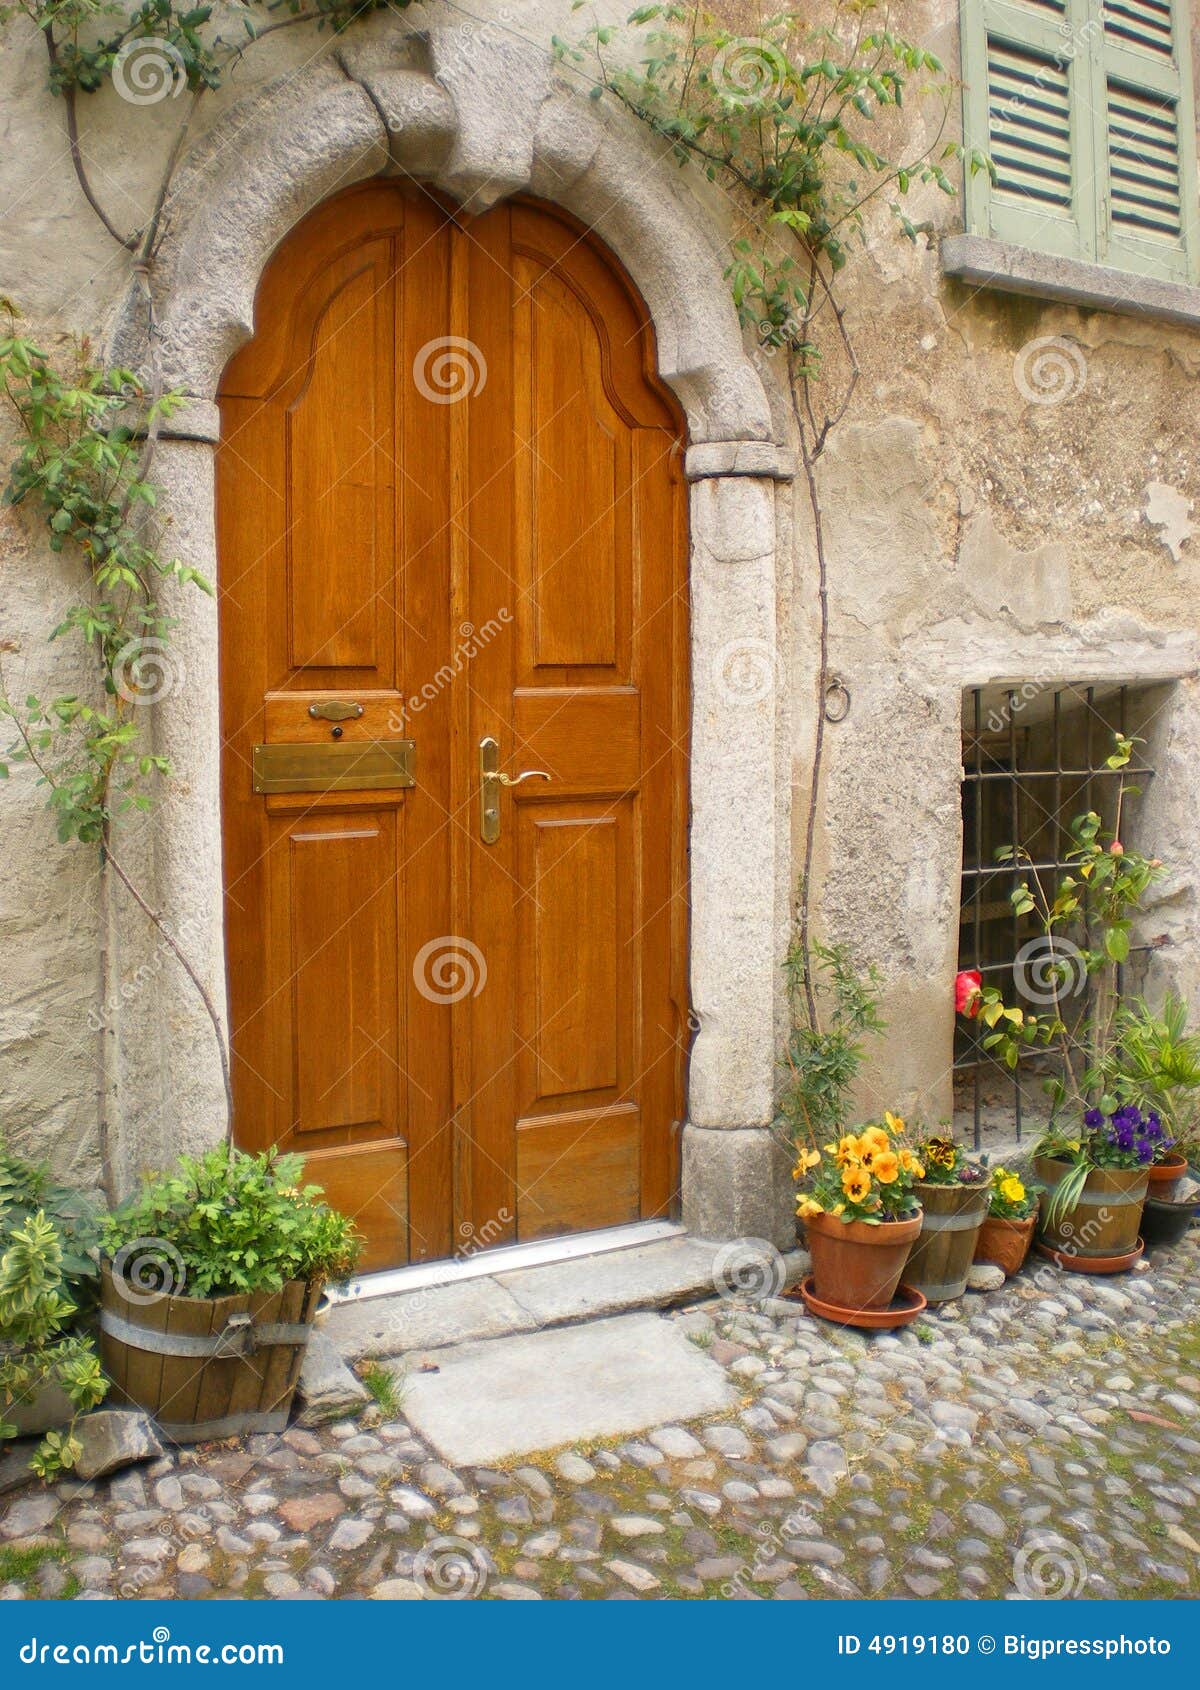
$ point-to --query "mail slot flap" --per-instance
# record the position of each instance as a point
(301, 717)
(344, 766)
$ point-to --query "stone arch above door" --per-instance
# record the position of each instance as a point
(477, 122)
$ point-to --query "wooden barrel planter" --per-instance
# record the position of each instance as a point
(206, 1367)
(941, 1257)
(1103, 1222)
(1005, 1243)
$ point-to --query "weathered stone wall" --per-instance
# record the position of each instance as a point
(975, 533)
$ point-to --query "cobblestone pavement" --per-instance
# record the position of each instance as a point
(1041, 1440)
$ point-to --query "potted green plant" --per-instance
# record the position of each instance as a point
(1007, 1231)
(953, 1195)
(49, 1370)
(860, 1215)
(210, 1282)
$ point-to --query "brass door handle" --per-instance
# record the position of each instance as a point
(490, 782)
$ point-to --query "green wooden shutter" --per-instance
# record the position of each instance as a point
(1146, 138)
(1026, 106)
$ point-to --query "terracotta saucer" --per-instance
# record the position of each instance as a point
(906, 1305)
(1072, 1263)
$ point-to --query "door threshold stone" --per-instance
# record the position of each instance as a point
(648, 1276)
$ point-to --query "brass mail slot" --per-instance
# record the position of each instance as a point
(370, 765)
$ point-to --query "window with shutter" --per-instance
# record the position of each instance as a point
(1085, 108)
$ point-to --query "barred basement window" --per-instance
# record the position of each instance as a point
(1034, 759)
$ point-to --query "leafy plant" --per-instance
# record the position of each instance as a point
(26, 1189)
(825, 1051)
(947, 1163)
(37, 1347)
(1010, 1199)
(866, 1176)
(230, 1222)
(1153, 1062)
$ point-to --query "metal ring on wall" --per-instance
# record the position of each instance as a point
(837, 701)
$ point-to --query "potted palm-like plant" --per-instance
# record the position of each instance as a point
(953, 1194)
(1007, 1231)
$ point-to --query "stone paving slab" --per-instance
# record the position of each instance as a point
(488, 1401)
(646, 1276)
(426, 1319)
(650, 1276)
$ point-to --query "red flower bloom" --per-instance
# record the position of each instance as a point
(968, 983)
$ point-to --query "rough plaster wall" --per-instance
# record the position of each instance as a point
(49, 911)
(974, 534)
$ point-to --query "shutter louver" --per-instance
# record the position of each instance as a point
(1029, 111)
(1143, 152)
(1144, 24)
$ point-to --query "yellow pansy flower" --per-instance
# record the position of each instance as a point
(856, 1183)
(807, 1159)
(894, 1123)
(1012, 1190)
(886, 1167)
(807, 1206)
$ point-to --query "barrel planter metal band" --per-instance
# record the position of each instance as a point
(1104, 1219)
(941, 1258)
(205, 1367)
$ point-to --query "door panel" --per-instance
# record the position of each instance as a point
(464, 1039)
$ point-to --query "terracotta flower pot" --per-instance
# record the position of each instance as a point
(856, 1265)
(1005, 1243)
(1104, 1220)
(1166, 1177)
(941, 1256)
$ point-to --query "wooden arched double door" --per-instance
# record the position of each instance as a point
(452, 533)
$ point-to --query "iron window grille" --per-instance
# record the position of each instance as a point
(1034, 757)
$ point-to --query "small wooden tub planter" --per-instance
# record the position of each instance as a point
(206, 1367)
(940, 1259)
(1102, 1224)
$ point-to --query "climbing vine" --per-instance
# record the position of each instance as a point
(792, 123)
